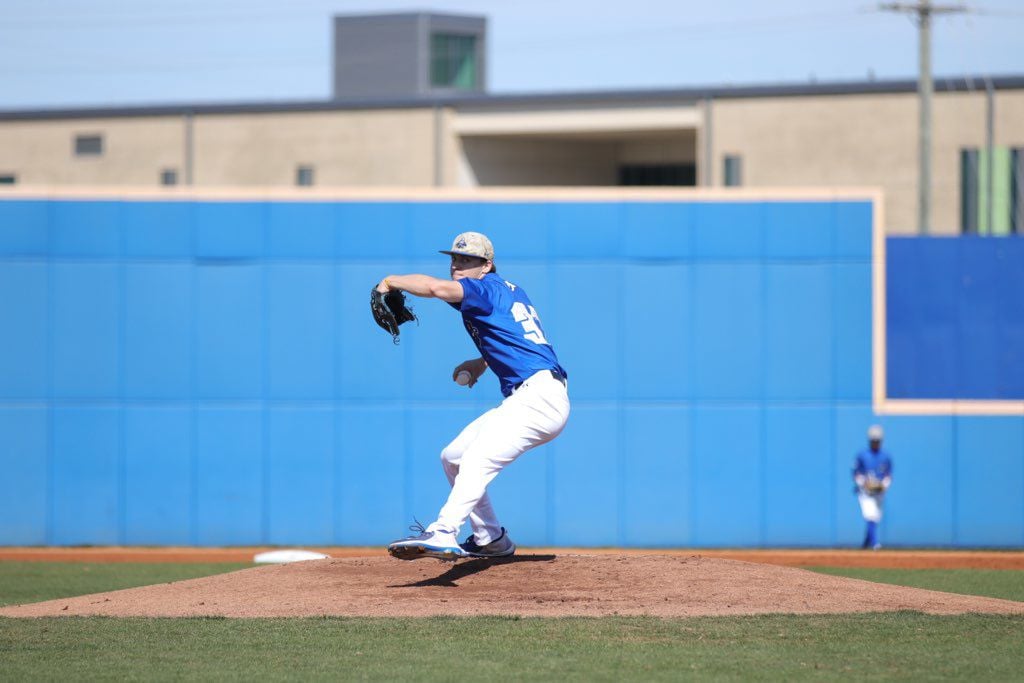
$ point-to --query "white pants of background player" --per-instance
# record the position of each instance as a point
(534, 414)
(871, 506)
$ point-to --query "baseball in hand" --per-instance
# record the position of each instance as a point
(462, 379)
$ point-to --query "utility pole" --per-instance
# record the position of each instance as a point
(921, 12)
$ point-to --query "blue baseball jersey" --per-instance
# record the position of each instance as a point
(506, 329)
(877, 464)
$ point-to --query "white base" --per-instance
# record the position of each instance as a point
(282, 556)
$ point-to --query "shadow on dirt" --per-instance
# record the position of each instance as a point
(463, 569)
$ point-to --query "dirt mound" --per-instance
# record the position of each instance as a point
(527, 585)
(810, 557)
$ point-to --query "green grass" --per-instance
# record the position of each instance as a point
(780, 647)
(24, 582)
(903, 645)
(993, 583)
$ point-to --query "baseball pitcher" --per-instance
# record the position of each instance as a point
(506, 330)
(872, 473)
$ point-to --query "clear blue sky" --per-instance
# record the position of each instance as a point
(59, 53)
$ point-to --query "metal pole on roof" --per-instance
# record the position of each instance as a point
(189, 148)
(708, 158)
(990, 153)
(438, 146)
(922, 12)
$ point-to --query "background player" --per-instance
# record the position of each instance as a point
(872, 472)
(505, 328)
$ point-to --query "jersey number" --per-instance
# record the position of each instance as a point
(528, 318)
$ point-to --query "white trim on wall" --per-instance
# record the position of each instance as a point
(439, 194)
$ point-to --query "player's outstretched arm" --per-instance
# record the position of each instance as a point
(423, 286)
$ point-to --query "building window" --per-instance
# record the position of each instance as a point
(304, 176)
(969, 191)
(168, 176)
(658, 174)
(8, 179)
(733, 170)
(453, 61)
(992, 191)
(90, 145)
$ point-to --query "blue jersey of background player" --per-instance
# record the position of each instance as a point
(872, 473)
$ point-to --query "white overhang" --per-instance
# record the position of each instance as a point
(576, 121)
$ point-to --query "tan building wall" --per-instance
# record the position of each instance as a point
(345, 148)
(862, 140)
(135, 150)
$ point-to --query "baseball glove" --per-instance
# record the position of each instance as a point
(873, 485)
(390, 311)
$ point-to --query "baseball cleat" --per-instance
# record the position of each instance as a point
(502, 546)
(441, 545)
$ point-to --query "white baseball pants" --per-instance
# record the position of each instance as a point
(534, 414)
(871, 506)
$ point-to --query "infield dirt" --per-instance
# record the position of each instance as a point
(549, 585)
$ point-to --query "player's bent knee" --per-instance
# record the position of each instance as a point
(450, 456)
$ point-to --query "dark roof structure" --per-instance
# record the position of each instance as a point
(505, 100)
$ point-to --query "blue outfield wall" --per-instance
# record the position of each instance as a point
(207, 372)
(956, 318)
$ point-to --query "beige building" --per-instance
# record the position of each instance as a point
(814, 135)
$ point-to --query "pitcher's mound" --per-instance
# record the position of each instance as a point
(527, 585)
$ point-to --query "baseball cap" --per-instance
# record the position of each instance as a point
(875, 433)
(472, 244)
